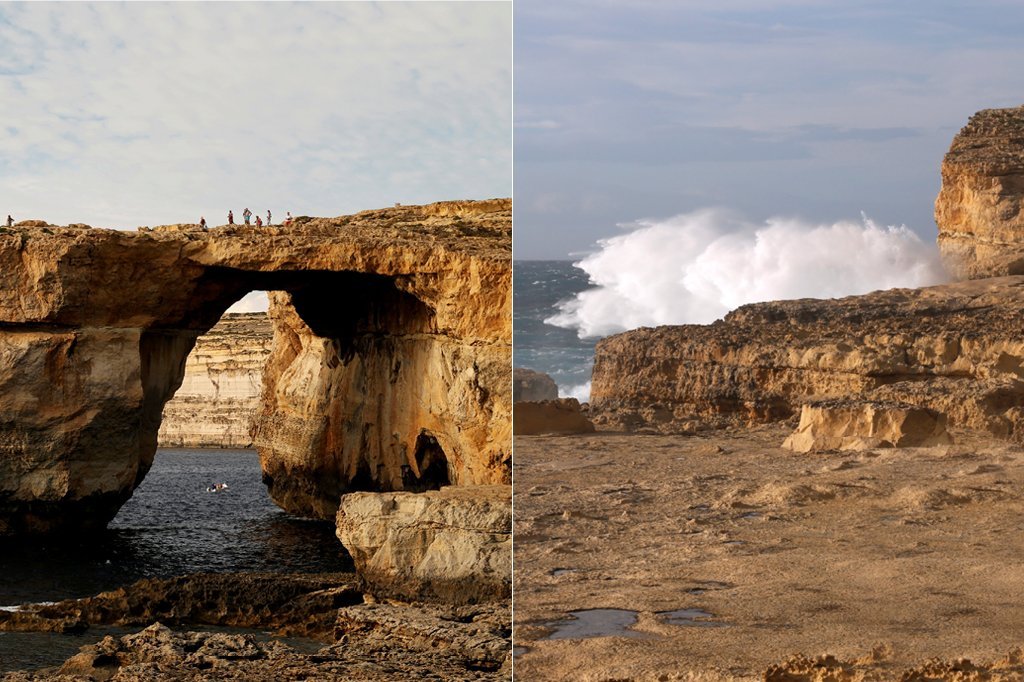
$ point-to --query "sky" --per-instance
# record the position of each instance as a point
(818, 110)
(121, 115)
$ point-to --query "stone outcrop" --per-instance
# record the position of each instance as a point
(220, 392)
(531, 386)
(980, 208)
(865, 424)
(549, 416)
(955, 348)
(360, 641)
(452, 545)
(389, 370)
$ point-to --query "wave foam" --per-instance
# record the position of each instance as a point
(696, 267)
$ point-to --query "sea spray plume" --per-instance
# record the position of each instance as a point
(696, 267)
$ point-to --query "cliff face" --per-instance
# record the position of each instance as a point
(954, 348)
(979, 209)
(220, 392)
(390, 369)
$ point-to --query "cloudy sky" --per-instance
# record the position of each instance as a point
(120, 115)
(630, 109)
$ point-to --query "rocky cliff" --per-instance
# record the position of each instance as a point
(953, 348)
(220, 392)
(980, 208)
(390, 367)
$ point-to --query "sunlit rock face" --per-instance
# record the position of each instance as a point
(390, 367)
(220, 393)
(980, 208)
(954, 348)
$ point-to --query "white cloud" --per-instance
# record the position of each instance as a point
(127, 114)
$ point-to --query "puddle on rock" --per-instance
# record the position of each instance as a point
(562, 571)
(518, 651)
(595, 623)
(691, 618)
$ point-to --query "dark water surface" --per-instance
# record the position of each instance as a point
(173, 526)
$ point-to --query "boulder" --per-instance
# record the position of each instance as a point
(531, 386)
(549, 416)
(862, 425)
(452, 545)
(980, 207)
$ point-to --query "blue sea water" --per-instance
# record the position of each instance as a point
(172, 526)
(538, 287)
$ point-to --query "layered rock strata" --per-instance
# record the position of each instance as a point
(390, 364)
(220, 392)
(980, 208)
(865, 424)
(955, 348)
(452, 545)
(549, 416)
(531, 386)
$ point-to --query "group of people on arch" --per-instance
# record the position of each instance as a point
(247, 217)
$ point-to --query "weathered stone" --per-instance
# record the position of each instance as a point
(980, 208)
(452, 545)
(390, 367)
(531, 386)
(298, 604)
(549, 416)
(220, 393)
(953, 348)
(863, 424)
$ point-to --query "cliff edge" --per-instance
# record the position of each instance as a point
(389, 370)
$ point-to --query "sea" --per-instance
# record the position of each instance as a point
(539, 286)
(170, 526)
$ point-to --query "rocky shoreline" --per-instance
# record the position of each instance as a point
(363, 639)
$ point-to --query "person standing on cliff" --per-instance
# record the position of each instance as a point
(231, 218)
(259, 222)
(246, 215)
(268, 218)
(10, 221)
(202, 223)
(288, 218)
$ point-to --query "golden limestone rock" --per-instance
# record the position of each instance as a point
(389, 370)
(220, 392)
(954, 348)
(865, 424)
(980, 208)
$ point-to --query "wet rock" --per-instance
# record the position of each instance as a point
(298, 604)
(862, 425)
(549, 416)
(531, 386)
(452, 545)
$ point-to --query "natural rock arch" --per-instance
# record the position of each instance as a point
(388, 325)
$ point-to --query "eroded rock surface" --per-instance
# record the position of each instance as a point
(953, 348)
(390, 364)
(865, 424)
(549, 416)
(532, 386)
(980, 208)
(361, 641)
(452, 545)
(220, 392)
